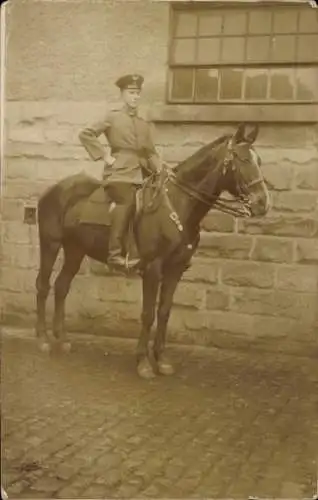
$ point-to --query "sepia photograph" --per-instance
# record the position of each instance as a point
(159, 249)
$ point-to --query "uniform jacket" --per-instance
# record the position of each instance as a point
(130, 140)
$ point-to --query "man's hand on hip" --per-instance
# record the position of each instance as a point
(109, 160)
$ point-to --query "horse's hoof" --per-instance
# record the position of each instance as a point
(66, 347)
(145, 370)
(164, 366)
(44, 347)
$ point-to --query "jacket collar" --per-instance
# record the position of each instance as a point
(130, 111)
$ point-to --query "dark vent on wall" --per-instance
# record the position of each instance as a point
(30, 215)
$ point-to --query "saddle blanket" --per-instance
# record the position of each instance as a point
(97, 208)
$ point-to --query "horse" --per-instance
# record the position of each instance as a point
(186, 194)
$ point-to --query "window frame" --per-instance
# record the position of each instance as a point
(270, 65)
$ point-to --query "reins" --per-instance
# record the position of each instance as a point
(213, 201)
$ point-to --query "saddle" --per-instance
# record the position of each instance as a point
(97, 208)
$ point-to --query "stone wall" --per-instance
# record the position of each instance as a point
(251, 279)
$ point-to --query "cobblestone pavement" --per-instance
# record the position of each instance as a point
(228, 424)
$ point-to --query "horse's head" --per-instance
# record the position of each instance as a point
(240, 170)
(231, 164)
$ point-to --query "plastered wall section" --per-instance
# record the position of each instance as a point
(249, 280)
(75, 50)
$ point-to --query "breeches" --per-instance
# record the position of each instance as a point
(122, 193)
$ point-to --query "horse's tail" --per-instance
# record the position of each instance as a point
(57, 199)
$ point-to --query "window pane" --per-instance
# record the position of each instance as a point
(307, 84)
(210, 23)
(231, 83)
(182, 84)
(208, 50)
(308, 20)
(285, 21)
(206, 85)
(307, 49)
(256, 83)
(260, 21)
(284, 48)
(282, 84)
(186, 24)
(183, 51)
(235, 23)
(258, 48)
(233, 49)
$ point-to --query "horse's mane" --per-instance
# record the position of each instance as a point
(199, 156)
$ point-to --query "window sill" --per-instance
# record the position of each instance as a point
(228, 113)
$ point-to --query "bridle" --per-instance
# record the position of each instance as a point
(224, 205)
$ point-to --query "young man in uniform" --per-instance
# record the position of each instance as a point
(131, 154)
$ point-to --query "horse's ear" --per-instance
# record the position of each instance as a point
(251, 136)
(239, 134)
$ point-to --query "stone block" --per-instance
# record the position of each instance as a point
(19, 304)
(307, 251)
(307, 176)
(193, 320)
(279, 176)
(45, 151)
(292, 201)
(19, 233)
(298, 278)
(202, 271)
(115, 290)
(269, 326)
(285, 136)
(62, 134)
(183, 134)
(248, 274)
(26, 133)
(183, 324)
(218, 222)
(300, 156)
(21, 256)
(269, 155)
(18, 280)
(54, 170)
(20, 168)
(177, 154)
(271, 249)
(190, 295)
(218, 298)
(26, 190)
(281, 225)
(12, 209)
(225, 246)
(84, 311)
(300, 306)
(229, 322)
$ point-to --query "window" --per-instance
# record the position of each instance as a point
(259, 54)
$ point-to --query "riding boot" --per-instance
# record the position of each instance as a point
(120, 223)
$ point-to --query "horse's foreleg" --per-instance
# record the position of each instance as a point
(73, 256)
(48, 254)
(170, 280)
(150, 285)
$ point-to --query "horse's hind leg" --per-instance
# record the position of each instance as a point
(73, 256)
(48, 253)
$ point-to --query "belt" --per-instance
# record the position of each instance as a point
(138, 152)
